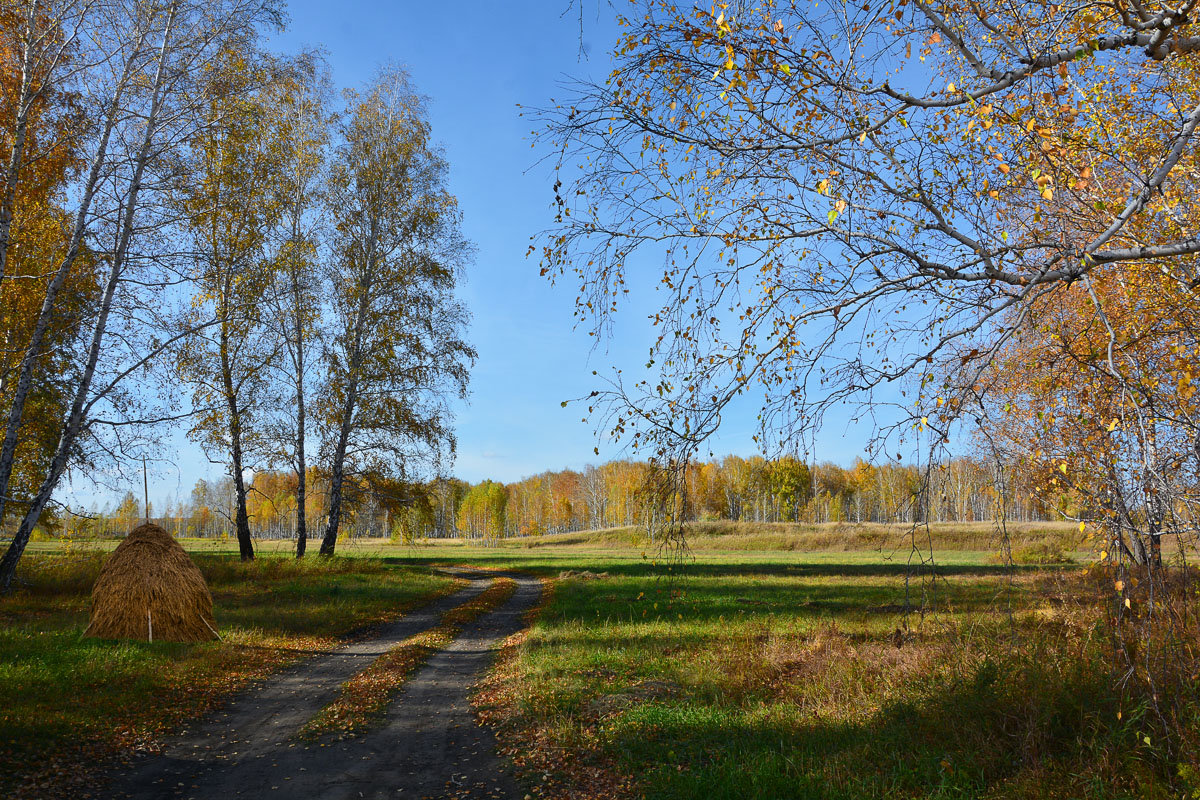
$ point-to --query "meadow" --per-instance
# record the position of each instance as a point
(724, 673)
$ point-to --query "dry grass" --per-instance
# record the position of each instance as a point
(832, 537)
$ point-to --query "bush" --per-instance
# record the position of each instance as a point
(1048, 552)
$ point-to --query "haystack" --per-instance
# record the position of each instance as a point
(149, 589)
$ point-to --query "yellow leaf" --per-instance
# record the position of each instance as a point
(1063, 467)
(1081, 527)
(1120, 586)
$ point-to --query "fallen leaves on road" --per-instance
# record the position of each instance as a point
(366, 696)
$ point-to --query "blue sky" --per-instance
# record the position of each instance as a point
(477, 62)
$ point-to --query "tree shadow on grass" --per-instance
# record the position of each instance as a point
(730, 598)
(995, 728)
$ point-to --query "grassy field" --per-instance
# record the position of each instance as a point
(796, 679)
(738, 673)
(836, 537)
(783, 673)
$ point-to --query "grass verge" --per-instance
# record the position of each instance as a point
(551, 767)
(68, 704)
(366, 696)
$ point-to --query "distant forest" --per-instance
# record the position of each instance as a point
(614, 494)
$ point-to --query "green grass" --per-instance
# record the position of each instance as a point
(66, 701)
(778, 676)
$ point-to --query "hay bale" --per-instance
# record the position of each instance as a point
(149, 589)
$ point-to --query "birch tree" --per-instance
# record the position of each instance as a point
(227, 197)
(42, 156)
(396, 354)
(153, 55)
(846, 196)
(300, 110)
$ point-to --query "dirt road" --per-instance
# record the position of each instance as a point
(427, 746)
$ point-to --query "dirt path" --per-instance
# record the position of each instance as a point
(428, 745)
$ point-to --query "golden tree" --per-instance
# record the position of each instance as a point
(396, 352)
(41, 156)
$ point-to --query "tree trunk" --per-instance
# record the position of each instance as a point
(71, 430)
(301, 491)
(353, 364)
(241, 518)
(301, 468)
(338, 474)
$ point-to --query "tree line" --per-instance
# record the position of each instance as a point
(754, 489)
(193, 230)
(614, 494)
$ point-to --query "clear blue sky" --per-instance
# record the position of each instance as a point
(477, 62)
